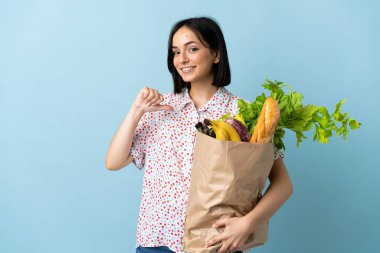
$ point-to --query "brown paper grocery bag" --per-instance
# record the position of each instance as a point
(226, 181)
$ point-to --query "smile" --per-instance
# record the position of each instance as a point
(187, 69)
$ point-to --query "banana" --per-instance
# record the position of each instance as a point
(222, 127)
(220, 133)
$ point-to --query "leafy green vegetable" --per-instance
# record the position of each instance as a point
(296, 117)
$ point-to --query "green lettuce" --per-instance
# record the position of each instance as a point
(296, 117)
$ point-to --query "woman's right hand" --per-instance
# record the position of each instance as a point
(148, 100)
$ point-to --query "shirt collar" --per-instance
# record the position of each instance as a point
(222, 94)
(185, 99)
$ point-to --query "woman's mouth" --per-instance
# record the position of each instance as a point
(187, 69)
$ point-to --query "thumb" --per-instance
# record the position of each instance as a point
(165, 107)
(219, 223)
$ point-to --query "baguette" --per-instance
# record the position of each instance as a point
(267, 122)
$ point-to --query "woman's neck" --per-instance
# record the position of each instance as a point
(201, 94)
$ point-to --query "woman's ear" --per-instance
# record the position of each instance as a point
(217, 57)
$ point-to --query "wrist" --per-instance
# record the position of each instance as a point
(253, 221)
(137, 111)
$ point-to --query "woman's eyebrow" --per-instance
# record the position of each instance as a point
(187, 43)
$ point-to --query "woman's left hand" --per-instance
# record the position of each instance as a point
(236, 232)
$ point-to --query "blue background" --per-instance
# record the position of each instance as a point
(69, 71)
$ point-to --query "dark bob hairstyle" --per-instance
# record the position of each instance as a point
(211, 36)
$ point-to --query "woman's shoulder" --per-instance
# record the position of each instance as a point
(233, 97)
(232, 107)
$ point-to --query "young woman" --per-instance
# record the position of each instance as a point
(158, 135)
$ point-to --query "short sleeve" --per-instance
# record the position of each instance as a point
(141, 139)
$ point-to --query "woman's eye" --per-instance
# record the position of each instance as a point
(175, 52)
(193, 49)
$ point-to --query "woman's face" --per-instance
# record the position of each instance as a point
(192, 60)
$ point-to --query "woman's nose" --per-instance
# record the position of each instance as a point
(183, 57)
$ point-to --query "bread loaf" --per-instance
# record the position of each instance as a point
(267, 122)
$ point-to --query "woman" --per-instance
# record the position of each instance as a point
(158, 135)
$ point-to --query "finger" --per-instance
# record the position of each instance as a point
(165, 107)
(144, 92)
(159, 100)
(153, 98)
(156, 98)
(215, 239)
(225, 247)
(150, 96)
(233, 247)
(156, 94)
(219, 223)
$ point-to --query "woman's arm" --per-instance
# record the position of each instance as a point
(236, 229)
(279, 190)
(118, 155)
